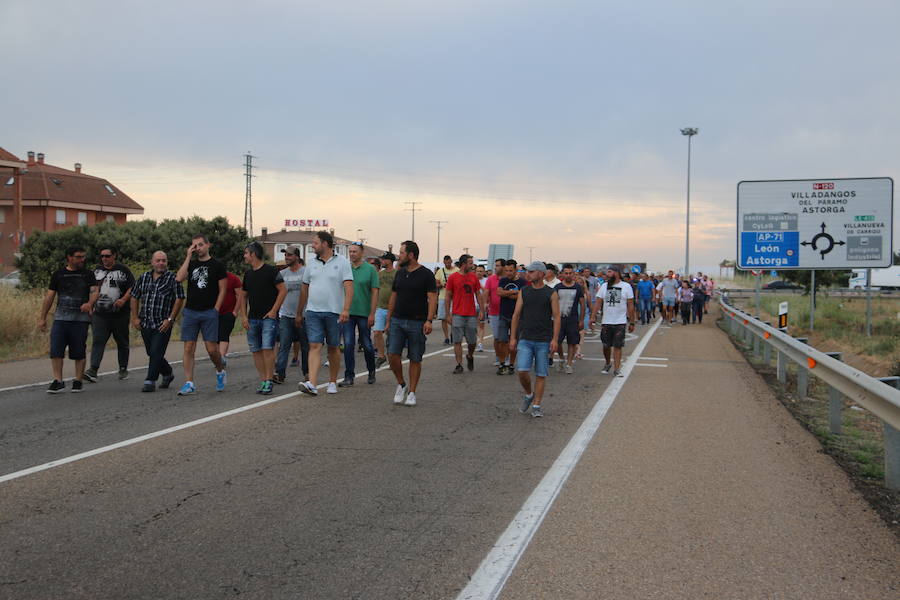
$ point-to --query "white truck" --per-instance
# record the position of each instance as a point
(884, 279)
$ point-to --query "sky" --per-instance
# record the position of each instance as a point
(552, 125)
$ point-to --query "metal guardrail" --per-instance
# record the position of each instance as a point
(875, 395)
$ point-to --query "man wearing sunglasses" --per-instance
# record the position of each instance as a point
(111, 312)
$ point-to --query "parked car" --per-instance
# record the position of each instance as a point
(10, 279)
(782, 285)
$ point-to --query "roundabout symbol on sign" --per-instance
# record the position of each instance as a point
(827, 239)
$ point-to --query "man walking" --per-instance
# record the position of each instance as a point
(111, 312)
(441, 277)
(535, 329)
(263, 293)
(289, 331)
(668, 289)
(362, 316)
(410, 312)
(616, 301)
(385, 285)
(492, 299)
(76, 292)
(508, 289)
(324, 305)
(156, 300)
(571, 307)
(206, 286)
(646, 292)
(463, 291)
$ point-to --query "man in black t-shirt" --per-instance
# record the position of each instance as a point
(206, 286)
(264, 292)
(111, 312)
(410, 312)
(508, 290)
(571, 307)
(75, 289)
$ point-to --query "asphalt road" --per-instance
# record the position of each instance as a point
(342, 496)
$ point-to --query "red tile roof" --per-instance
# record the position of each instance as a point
(43, 181)
(4, 155)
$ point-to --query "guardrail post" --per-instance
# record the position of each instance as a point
(781, 369)
(802, 376)
(891, 446)
(756, 340)
(835, 403)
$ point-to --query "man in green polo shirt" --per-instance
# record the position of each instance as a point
(362, 315)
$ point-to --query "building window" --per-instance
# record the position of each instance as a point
(279, 250)
(2, 215)
(60, 216)
(110, 219)
(82, 218)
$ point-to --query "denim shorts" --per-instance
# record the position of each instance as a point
(197, 321)
(503, 329)
(668, 301)
(464, 327)
(406, 333)
(441, 311)
(380, 319)
(262, 334)
(533, 355)
(71, 334)
(495, 325)
(323, 328)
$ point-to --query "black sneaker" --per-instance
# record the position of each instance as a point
(149, 387)
(347, 382)
(501, 370)
(166, 381)
(510, 370)
(123, 373)
(379, 362)
(278, 378)
(77, 387)
(458, 370)
(56, 387)
(470, 363)
(446, 341)
(371, 378)
(90, 375)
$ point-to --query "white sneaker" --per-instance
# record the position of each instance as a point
(410, 399)
(559, 366)
(569, 370)
(399, 394)
(332, 387)
(479, 348)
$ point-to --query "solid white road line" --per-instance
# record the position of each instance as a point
(168, 430)
(488, 581)
(652, 358)
(650, 365)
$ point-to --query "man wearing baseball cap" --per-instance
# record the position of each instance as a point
(535, 331)
(616, 301)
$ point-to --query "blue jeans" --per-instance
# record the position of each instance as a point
(409, 334)
(348, 331)
(288, 333)
(262, 334)
(323, 327)
(646, 305)
(533, 355)
(156, 343)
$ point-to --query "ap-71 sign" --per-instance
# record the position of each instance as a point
(815, 223)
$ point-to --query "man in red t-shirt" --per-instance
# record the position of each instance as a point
(228, 311)
(462, 294)
(492, 298)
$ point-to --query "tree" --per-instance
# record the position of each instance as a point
(823, 278)
(134, 241)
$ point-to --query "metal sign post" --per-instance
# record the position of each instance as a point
(812, 300)
(869, 302)
(758, 288)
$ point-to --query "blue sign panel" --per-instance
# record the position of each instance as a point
(770, 248)
(636, 269)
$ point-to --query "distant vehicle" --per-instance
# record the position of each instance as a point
(888, 278)
(782, 285)
(10, 279)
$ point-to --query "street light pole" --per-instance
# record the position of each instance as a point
(530, 253)
(689, 132)
(439, 223)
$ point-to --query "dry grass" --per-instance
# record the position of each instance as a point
(19, 335)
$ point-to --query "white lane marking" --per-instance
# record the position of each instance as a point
(488, 581)
(650, 365)
(475, 356)
(652, 358)
(173, 429)
(141, 368)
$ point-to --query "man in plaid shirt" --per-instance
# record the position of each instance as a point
(156, 300)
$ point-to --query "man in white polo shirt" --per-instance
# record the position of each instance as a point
(324, 303)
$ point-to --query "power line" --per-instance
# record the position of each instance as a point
(439, 223)
(248, 197)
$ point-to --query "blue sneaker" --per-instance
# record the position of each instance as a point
(221, 378)
(187, 389)
(266, 388)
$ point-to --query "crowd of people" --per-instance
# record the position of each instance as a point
(329, 310)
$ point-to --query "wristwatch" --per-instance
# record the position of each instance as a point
(170, 319)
